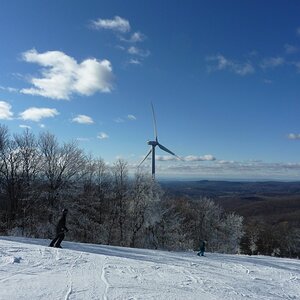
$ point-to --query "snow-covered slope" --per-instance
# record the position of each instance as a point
(31, 270)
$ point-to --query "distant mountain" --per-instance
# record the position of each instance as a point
(221, 188)
(274, 201)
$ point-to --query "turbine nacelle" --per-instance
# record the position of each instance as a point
(152, 143)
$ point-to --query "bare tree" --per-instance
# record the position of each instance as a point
(29, 155)
(118, 201)
(60, 164)
(30, 166)
(103, 187)
(10, 165)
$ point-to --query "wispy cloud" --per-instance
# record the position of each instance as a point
(294, 136)
(102, 136)
(165, 158)
(119, 120)
(134, 61)
(5, 111)
(134, 38)
(25, 126)
(290, 49)
(62, 76)
(83, 119)
(207, 157)
(222, 63)
(189, 158)
(137, 51)
(131, 117)
(122, 27)
(116, 24)
(298, 31)
(230, 169)
(122, 120)
(36, 114)
(8, 89)
(272, 62)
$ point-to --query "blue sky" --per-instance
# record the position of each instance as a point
(223, 77)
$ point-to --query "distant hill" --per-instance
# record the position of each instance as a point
(274, 201)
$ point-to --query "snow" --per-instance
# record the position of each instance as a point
(31, 270)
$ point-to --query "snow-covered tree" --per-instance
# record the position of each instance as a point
(144, 211)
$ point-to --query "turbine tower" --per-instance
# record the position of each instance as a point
(153, 144)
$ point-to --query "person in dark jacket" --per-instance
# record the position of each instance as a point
(60, 230)
(202, 248)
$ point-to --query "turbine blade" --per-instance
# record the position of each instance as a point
(165, 149)
(154, 122)
(145, 157)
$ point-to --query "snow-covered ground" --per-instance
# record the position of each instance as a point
(31, 270)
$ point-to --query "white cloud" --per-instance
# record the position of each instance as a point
(122, 120)
(272, 62)
(119, 120)
(36, 114)
(189, 158)
(5, 111)
(207, 157)
(232, 169)
(222, 63)
(102, 136)
(251, 169)
(137, 37)
(116, 24)
(42, 125)
(62, 76)
(290, 49)
(139, 52)
(83, 119)
(8, 89)
(294, 136)
(131, 117)
(133, 50)
(25, 126)
(134, 38)
(134, 61)
(165, 157)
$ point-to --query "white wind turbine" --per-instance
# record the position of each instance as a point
(153, 144)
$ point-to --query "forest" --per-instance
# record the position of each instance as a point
(270, 211)
(40, 176)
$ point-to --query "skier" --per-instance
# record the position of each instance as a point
(202, 248)
(60, 230)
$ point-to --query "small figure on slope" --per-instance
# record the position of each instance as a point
(202, 248)
(60, 230)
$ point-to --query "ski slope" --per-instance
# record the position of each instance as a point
(31, 270)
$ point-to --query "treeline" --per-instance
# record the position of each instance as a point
(277, 239)
(39, 176)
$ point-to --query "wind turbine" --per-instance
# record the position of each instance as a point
(153, 144)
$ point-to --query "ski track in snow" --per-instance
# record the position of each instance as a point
(103, 278)
(30, 270)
